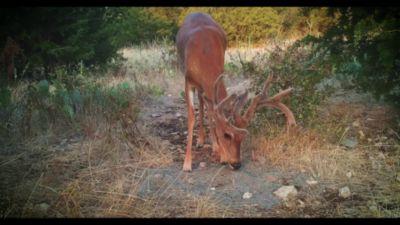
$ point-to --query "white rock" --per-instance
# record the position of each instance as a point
(356, 123)
(155, 115)
(301, 203)
(344, 192)
(212, 188)
(178, 115)
(285, 191)
(202, 164)
(349, 174)
(311, 181)
(247, 195)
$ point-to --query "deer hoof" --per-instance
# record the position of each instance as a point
(187, 168)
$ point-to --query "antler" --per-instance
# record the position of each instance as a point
(219, 107)
(263, 100)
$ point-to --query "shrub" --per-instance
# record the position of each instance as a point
(298, 67)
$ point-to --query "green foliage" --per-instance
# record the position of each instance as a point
(298, 67)
(156, 90)
(65, 101)
(364, 48)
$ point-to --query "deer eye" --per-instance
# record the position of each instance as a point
(227, 136)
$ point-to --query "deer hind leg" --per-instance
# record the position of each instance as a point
(189, 91)
(202, 132)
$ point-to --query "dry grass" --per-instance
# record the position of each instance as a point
(370, 170)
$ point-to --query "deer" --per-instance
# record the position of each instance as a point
(201, 43)
(7, 57)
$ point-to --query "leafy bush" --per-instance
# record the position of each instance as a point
(298, 67)
(363, 46)
(38, 106)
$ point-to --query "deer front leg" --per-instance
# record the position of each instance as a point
(202, 133)
(189, 91)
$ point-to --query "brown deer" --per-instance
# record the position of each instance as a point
(7, 56)
(201, 45)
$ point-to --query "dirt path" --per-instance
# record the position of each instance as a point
(166, 117)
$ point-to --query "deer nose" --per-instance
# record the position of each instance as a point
(235, 166)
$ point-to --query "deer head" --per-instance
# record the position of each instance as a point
(230, 124)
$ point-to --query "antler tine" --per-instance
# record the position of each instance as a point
(254, 102)
(240, 102)
(290, 120)
(216, 88)
(278, 96)
(274, 102)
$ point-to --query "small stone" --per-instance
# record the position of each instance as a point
(369, 140)
(285, 192)
(301, 203)
(155, 115)
(362, 135)
(212, 188)
(157, 175)
(43, 207)
(381, 155)
(271, 178)
(169, 95)
(349, 142)
(344, 192)
(349, 174)
(311, 181)
(185, 132)
(379, 144)
(247, 195)
(178, 115)
(356, 123)
(202, 164)
(190, 181)
(63, 142)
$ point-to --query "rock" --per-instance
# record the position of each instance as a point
(349, 142)
(185, 132)
(311, 182)
(344, 192)
(63, 142)
(43, 207)
(301, 203)
(356, 123)
(362, 135)
(155, 115)
(247, 195)
(190, 181)
(178, 115)
(157, 175)
(381, 155)
(212, 188)
(349, 174)
(271, 178)
(285, 192)
(169, 95)
(202, 164)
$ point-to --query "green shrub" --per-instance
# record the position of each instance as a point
(297, 67)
